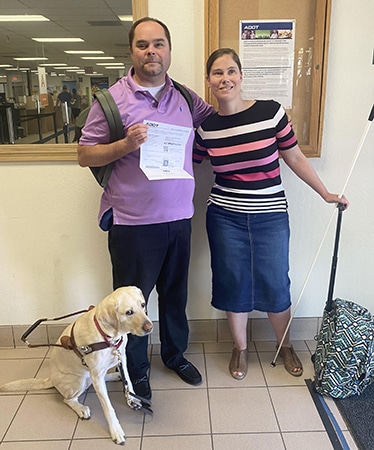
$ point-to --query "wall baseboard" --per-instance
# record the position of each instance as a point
(211, 330)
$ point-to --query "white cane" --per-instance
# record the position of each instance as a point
(355, 158)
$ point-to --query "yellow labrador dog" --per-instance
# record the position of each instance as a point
(88, 348)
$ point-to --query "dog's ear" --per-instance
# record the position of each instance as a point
(107, 313)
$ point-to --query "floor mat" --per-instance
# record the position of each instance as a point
(358, 414)
(331, 425)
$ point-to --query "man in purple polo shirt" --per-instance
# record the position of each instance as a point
(149, 220)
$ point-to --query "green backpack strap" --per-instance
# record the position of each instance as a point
(113, 117)
(186, 94)
(112, 114)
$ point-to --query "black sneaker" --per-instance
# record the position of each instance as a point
(142, 388)
(187, 372)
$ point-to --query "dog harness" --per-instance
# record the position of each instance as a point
(68, 342)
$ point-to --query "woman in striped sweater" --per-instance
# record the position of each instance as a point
(247, 219)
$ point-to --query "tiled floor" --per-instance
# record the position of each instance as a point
(269, 409)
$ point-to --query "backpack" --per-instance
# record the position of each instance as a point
(114, 120)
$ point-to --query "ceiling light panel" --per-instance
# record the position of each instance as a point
(97, 57)
(58, 39)
(126, 18)
(23, 18)
(84, 52)
(34, 58)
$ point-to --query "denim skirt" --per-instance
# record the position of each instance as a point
(249, 260)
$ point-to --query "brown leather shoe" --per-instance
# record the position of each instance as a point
(291, 362)
(239, 364)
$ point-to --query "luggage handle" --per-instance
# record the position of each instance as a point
(371, 116)
(329, 304)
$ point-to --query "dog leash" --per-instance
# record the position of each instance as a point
(134, 401)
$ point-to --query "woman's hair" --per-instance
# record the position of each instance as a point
(220, 52)
(148, 19)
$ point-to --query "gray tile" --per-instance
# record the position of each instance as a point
(307, 441)
(224, 334)
(24, 353)
(103, 444)
(6, 336)
(261, 330)
(15, 369)
(295, 409)
(303, 328)
(47, 417)
(203, 330)
(300, 329)
(36, 445)
(242, 410)
(251, 441)
(177, 442)
(8, 406)
(178, 412)
(194, 348)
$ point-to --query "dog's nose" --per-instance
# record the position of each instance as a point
(148, 326)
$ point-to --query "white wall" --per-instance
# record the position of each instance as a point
(54, 259)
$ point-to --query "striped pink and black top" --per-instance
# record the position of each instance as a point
(244, 151)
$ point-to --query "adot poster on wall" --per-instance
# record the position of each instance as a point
(266, 49)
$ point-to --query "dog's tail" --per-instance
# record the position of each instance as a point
(29, 384)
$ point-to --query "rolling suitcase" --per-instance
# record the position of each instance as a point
(344, 356)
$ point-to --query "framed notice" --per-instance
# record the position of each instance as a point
(283, 52)
(266, 50)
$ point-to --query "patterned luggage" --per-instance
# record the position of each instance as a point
(344, 357)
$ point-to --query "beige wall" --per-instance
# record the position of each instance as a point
(54, 260)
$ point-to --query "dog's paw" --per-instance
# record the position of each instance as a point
(118, 435)
(85, 413)
(82, 411)
(113, 376)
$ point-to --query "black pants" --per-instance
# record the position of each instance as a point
(155, 255)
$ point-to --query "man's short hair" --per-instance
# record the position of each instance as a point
(148, 19)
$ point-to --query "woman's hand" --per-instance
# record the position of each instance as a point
(335, 198)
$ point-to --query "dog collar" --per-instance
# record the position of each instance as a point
(107, 338)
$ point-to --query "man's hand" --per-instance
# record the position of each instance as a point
(136, 136)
